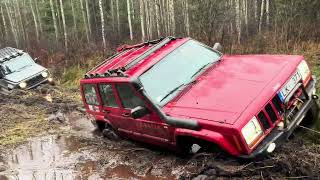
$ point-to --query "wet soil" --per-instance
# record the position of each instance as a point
(71, 148)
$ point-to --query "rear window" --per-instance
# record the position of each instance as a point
(90, 94)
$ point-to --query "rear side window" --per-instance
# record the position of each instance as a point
(128, 97)
(90, 94)
(107, 95)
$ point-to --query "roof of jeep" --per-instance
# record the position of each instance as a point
(136, 59)
(8, 53)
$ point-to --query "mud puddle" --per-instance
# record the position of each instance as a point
(81, 154)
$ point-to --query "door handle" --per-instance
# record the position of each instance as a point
(126, 114)
(106, 111)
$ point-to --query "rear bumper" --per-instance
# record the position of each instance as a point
(277, 135)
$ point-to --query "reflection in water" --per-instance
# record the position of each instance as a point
(41, 159)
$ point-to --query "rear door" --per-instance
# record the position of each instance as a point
(148, 128)
(112, 109)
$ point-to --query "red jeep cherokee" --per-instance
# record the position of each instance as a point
(176, 92)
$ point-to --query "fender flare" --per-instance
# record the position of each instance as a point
(101, 118)
(209, 136)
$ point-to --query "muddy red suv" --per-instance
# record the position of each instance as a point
(177, 92)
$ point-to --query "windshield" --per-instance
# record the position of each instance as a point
(177, 69)
(17, 63)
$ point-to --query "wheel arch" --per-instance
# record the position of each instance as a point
(208, 136)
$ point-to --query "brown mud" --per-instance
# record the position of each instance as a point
(42, 146)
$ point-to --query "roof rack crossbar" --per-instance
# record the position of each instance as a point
(149, 52)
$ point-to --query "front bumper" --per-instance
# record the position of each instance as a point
(278, 135)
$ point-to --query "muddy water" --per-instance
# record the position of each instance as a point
(84, 154)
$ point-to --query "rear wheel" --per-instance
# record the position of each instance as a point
(106, 130)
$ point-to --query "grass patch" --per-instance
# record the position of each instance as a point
(21, 122)
(72, 75)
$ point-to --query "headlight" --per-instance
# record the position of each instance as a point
(23, 85)
(44, 74)
(304, 70)
(251, 131)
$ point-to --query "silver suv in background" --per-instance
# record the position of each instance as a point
(19, 71)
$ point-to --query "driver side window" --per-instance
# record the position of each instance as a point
(127, 96)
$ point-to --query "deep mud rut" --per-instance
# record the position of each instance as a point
(69, 147)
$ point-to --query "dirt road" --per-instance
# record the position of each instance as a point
(40, 139)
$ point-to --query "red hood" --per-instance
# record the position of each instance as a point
(226, 90)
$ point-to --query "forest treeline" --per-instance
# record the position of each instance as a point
(70, 25)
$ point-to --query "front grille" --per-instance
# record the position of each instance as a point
(278, 105)
(264, 120)
(272, 115)
(275, 109)
(34, 81)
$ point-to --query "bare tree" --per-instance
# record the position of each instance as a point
(142, 17)
(157, 4)
(88, 16)
(22, 27)
(54, 20)
(112, 13)
(85, 21)
(186, 17)
(172, 18)
(118, 16)
(102, 25)
(261, 15)
(74, 19)
(238, 20)
(38, 16)
(268, 13)
(4, 22)
(35, 20)
(64, 27)
(129, 19)
(255, 7)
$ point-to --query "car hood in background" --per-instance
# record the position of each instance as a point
(24, 73)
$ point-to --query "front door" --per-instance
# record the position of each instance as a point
(112, 109)
(148, 128)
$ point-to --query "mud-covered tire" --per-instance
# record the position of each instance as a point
(110, 134)
(312, 116)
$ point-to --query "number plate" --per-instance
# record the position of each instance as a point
(286, 89)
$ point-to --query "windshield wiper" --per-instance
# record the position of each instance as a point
(199, 70)
(171, 92)
(175, 89)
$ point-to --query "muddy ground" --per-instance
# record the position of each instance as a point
(49, 137)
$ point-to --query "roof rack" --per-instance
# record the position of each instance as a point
(120, 72)
(9, 53)
(158, 46)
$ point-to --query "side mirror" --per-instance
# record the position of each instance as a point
(139, 112)
(36, 59)
(218, 47)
